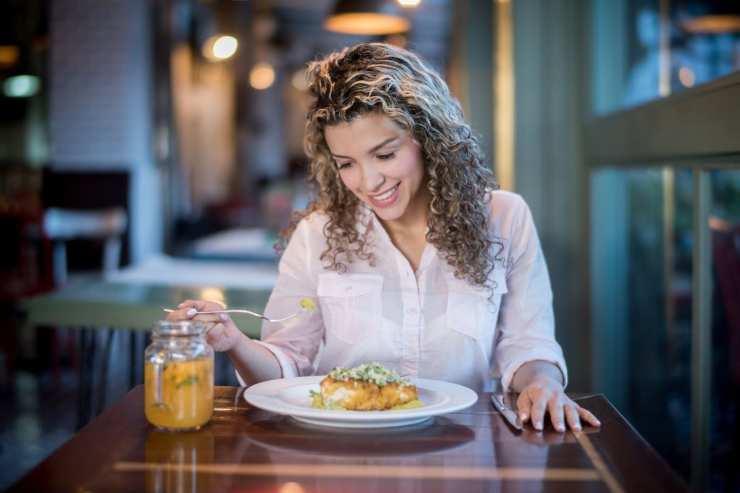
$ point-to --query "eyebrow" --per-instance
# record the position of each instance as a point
(375, 148)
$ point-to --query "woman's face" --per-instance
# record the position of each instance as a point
(382, 165)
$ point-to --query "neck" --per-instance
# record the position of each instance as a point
(412, 223)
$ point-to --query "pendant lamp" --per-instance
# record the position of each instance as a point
(708, 16)
(367, 17)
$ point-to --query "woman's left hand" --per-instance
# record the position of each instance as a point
(545, 395)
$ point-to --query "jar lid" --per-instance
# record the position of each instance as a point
(165, 328)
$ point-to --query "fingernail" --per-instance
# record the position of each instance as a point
(598, 423)
(181, 305)
(560, 427)
(191, 312)
(577, 428)
(223, 317)
(523, 416)
(538, 425)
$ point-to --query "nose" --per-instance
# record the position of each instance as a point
(373, 180)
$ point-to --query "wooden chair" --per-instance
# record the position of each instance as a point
(107, 225)
(62, 225)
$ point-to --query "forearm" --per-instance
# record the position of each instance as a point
(254, 362)
(532, 370)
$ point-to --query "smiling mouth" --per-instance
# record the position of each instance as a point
(385, 195)
(386, 198)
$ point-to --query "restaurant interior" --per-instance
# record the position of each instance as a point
(152, 150)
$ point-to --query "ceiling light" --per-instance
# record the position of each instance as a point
(712, 24)
(217, 48)
(21, 86)
(686, 76)
(366, 17)
(8, 55)
(300, 80)
(261, 76)
(409, 3)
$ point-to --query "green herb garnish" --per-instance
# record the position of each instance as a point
(369, 372)
(192, 379)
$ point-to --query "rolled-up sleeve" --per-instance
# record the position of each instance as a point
(526, 327)
(296, 342)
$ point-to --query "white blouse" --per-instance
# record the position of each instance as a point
(427, 323)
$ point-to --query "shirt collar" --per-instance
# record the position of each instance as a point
(369, 222)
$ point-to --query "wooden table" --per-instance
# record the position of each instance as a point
(246, 449)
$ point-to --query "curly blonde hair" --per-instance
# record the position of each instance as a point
(376, 77)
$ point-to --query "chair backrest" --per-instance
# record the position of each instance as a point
(64, 186)
(62, 225)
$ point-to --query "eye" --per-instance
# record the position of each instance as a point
(385, 157)
(344, 165)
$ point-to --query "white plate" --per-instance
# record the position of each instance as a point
(291, 397)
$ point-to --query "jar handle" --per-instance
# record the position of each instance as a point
(158, 366)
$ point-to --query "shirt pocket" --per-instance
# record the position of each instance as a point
(472, 311)
(350, 304)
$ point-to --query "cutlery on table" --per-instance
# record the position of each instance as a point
(506, 411)
(247, 312)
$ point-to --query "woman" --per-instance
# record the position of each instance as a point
(415, 259)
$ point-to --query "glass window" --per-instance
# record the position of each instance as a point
(641, 51)
(626, 52)
(705, 41)
(641, 283)
(642, 81)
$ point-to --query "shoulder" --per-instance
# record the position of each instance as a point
(507, 200)
(307, 234)
(305, 244)
(506, 208)
(313, 223)
(511, 221)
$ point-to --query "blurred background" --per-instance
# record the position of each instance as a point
(150, 151)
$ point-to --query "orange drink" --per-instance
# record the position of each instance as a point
(186, 394)
(178, 377)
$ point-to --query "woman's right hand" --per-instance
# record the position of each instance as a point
(222, 334)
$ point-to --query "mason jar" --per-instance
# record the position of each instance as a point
(178, 376)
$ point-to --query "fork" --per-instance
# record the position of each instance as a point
(247, 312)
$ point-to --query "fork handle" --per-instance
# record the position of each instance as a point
(248, 312)
(231, 311)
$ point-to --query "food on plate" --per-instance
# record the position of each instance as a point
(368, 387)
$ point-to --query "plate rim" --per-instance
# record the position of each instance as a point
(262, 395)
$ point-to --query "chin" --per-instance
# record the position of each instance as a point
(389, 213)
